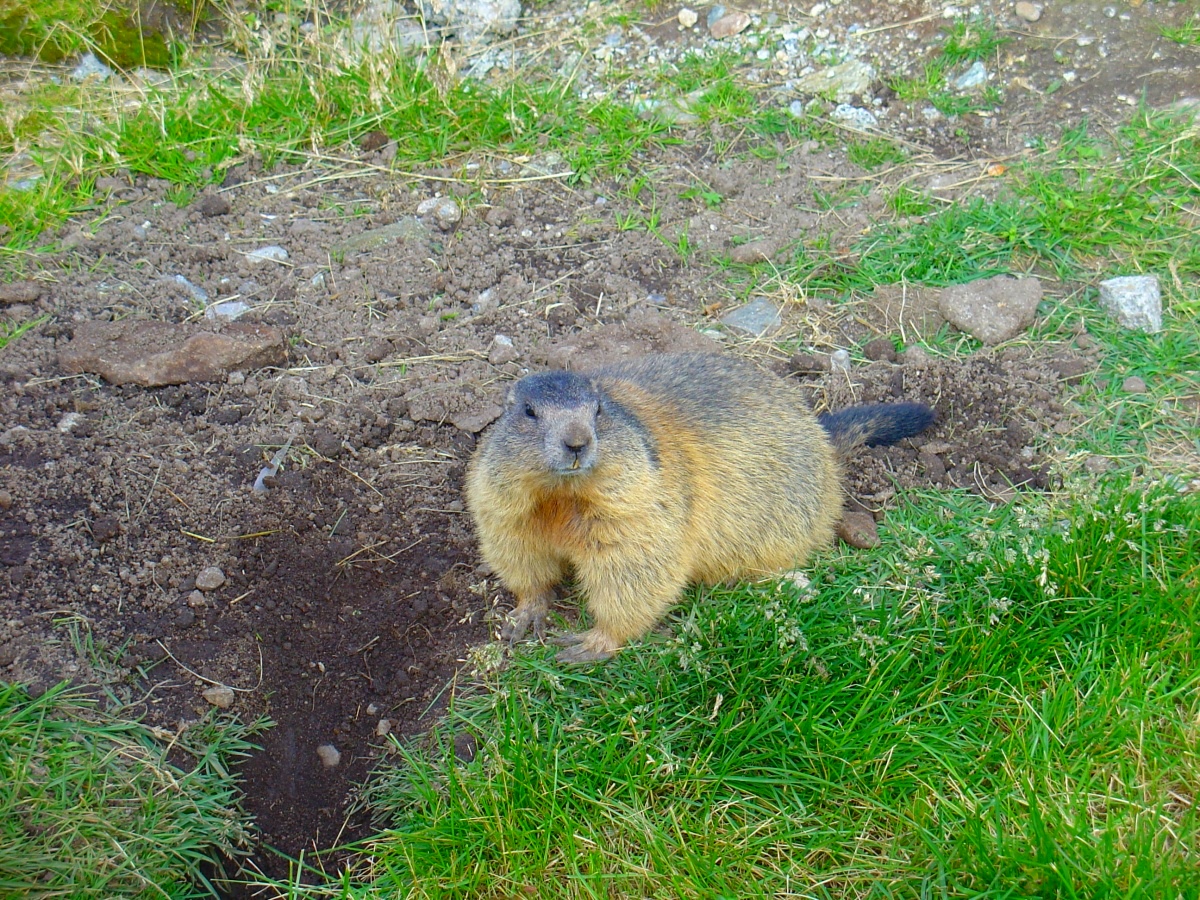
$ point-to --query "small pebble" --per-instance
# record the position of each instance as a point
(1133, 385)
(329, 754)
(839, 361)
(6, 500)
(384, 728)
(210, 578)
(220, 696)
(1030, 12)
(688, 17)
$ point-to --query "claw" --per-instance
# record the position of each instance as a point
(581, 654)
(585, 646)
(520, 622)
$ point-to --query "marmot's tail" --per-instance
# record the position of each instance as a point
(878, 423)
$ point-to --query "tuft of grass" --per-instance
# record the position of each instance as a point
(999, 709)
(91, 806)
(873, 153)
(11, 330)
(967, 41)
(1187, 34)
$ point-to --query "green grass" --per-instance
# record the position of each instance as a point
(1008, 707)
(92, 805)
(1187, 34)
(10, 330)
(874, 153)
(1085, 209)
(965, 42)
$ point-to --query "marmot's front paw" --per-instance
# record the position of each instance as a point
(521, 621)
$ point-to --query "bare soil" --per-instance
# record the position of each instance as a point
(353, 591)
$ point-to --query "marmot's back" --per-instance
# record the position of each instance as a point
(760, 475)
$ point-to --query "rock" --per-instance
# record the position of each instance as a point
(838, 82)
(975, 76)
(383, 728)
(472, 20)
(272, 253)
(759, 318)
(1133, 385)
(6, 500)
(687, 17)
(858, 530)
(839, 361)
(228, 310)
(209, 579)
(880, 349)
(855, 116)
(19, 292)
(212, 205)
(152, 354)
(408, 228)
(1135, 300)
(330, 755)
(502, 350)
(1030, 12)
(994, 309)
(220, 696)
(90, 66)
(196, 600)
(444, 211)
(197, 293)
(729, 25)
(753, 252)
(474, 421)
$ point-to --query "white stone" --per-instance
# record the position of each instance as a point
(220, 696)
(330, 755)
(1135, 301)
(688, 17)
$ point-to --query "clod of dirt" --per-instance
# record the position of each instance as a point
(992, 310)
(19, 292)
(329, 755)
(220, 696)
(153, 353)
(211, 205)
(858, 529)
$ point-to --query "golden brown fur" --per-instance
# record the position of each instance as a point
(645, 476)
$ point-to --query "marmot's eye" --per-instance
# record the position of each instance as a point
(530, 411)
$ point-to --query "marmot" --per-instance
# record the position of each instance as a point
(644, 476)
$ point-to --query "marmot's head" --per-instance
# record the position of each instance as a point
(551, 422)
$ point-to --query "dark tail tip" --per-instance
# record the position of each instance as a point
(876, 424)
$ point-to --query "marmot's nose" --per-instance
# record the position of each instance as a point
(576, 439)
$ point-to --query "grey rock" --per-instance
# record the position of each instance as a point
(856, 116)
(408, 228)
(839, 361)
(152, 354)
(444, 211)
(209, 579)
(975, 76)
(759, 318)
(1030, 12)
(197, 293)
(329, 755)
(90, 66)
(1135, 301)
(473, 20)
(840, 82)
(994, 309)
(272, 253)
(228, 310)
